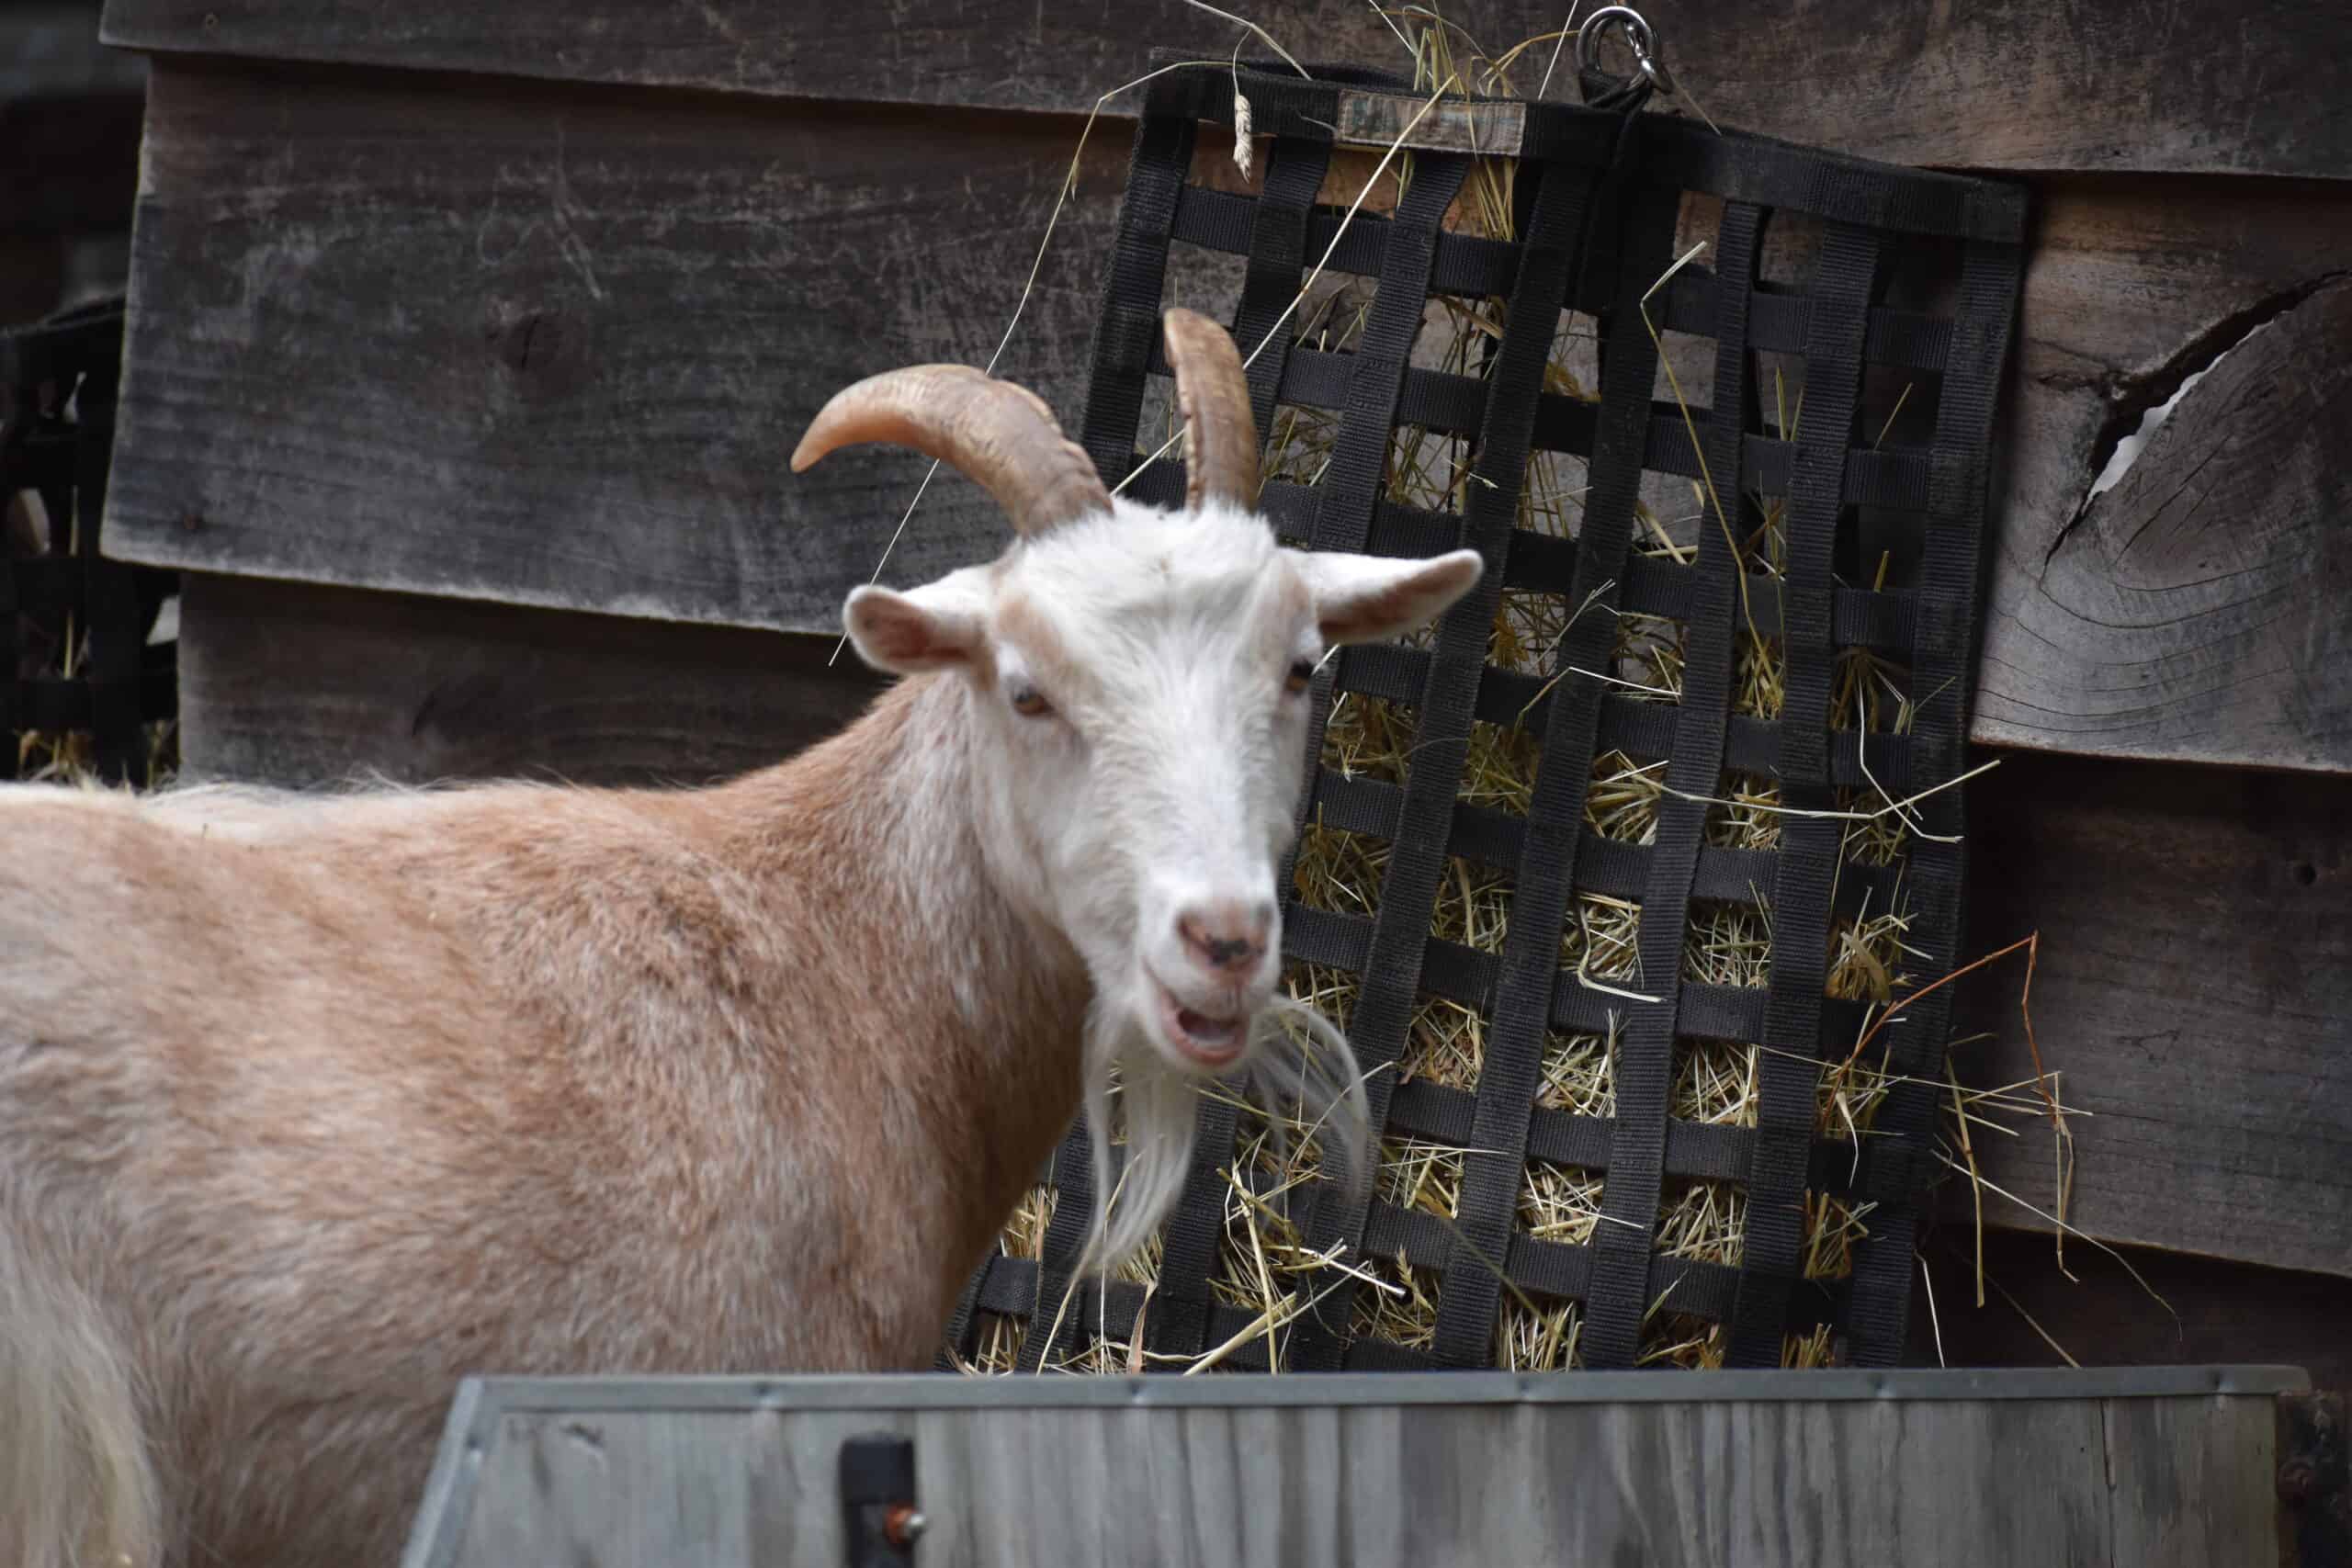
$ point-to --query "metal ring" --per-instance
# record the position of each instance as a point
(1638, 38)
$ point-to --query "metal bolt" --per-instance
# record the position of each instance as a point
(903, 1524)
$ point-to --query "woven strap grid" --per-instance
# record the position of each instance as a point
(1598, 195)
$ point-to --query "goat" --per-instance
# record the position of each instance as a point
(311, 1106)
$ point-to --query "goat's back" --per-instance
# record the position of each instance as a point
(330, 1103)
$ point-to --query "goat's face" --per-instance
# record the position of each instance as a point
(1140, 682)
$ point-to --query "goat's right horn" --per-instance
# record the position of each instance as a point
(1213, 396)
(999, 436)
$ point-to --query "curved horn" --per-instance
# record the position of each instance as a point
(1213, 396)
(1001, 436)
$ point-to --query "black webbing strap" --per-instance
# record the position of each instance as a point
(1350, 492)
(1128, 327)
(1720, 610)
(1178, 1323)
(1351, 484)
(1263, 322)
(1645, 1071)
(1066, 1237)
(1811, 846)
(958, 1340)
(1511, 1069)
(1944, 664)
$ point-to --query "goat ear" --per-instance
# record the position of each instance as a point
(1371, 598)
(937, 626)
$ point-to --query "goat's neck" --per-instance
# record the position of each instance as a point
(976, 1002)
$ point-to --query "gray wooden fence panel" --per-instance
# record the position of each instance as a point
(2176, 1465)
(2235, 86)
(1284, 1472)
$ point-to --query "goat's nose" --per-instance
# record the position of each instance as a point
(1226, 933)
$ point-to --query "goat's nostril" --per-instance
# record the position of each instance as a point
(1224, 937)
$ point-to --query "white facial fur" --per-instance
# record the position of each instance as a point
(1139, 682)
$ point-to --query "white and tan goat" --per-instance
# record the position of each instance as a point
(309, 1107)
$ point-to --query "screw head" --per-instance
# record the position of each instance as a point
(903, 1524)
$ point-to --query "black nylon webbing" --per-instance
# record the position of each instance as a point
(1929, 498)
(1128, 327)
(1377, 371)
(1944, 659)
(1066, 1234)
(1811, 847)
(1511, 1068)
(1646, 1056)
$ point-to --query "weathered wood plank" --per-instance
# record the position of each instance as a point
(2011, 84)
(1689, 1482)
(69, 123)
(542, 346)
(2183, 1309)
(399, 357)
(49, 48)
(2194, 989)
(2188, 1479)
(2190, 602)
(294, 684)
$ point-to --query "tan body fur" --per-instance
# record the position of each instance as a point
(653, 1095)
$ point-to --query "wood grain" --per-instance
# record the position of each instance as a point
(2182, 1310)
(1666, 1484)
(2179, 1478)
(2197, 607)
(298, 685)
(49, 48)
(2172, 85)
(69, 123)
(551, 348)
(2194, 990)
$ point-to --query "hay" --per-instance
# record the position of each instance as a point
(1264, 1265)
(70, 757)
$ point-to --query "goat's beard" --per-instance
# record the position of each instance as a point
(1298, 1065)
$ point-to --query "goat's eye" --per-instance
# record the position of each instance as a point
(1029, 703)
(1302, 674)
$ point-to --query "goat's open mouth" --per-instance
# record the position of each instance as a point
(1211, 1041)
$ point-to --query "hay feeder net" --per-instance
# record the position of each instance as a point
(1608, 874)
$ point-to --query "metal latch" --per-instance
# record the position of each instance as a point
(879, 1500)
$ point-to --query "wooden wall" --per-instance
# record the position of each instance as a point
(69, 157)
(465, 356)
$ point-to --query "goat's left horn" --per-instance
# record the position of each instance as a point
(1001, 436)
(1213, 396)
